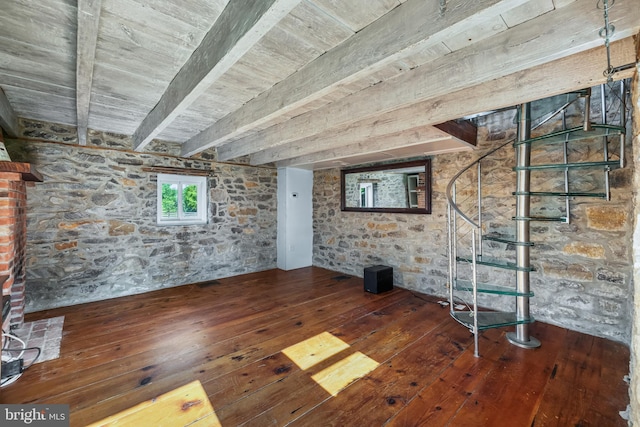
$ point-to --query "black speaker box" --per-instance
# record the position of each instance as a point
(378, 278)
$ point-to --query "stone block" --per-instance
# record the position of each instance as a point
(76, 224)
(66, 245)
(103, 199)
(607, 218)
(248, 211)
(386, 226)
(589, 250)
(577, 272)
(607, 275)
(120, 228)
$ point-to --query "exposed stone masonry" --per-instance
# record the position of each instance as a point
(634, 295)
(584, 269)
(92, 230)
(37, 130)
(389, 190)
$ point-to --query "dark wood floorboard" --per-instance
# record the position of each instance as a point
(230, 333)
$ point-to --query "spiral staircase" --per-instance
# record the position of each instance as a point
(489, 233)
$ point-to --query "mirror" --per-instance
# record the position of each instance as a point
(397, 187)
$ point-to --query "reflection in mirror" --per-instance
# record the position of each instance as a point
(399, 187)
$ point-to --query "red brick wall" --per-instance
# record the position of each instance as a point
(420, 190)
(13, 238)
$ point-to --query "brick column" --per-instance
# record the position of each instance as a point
(420, 189)
(13, 232)
(13, 239)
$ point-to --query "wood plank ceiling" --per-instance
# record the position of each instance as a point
(305, 83)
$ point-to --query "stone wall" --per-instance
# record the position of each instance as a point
(584, 269)
(92, 230)
(634, 389)
(389, 189)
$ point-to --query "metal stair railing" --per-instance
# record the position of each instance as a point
(472, 221)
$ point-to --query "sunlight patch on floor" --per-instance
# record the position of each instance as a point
(308, 353)
(314, 350)
(339, 375)
(185, 406)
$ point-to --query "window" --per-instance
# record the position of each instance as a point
(182, 199)
(366, 195)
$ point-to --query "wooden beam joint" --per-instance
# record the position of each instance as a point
(461, 129)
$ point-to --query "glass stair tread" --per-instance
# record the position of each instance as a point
(544, 108)
(467, 285)
(561, 194)
(495, 262)
(541, 218)
(511, 240)
(575, 134)
(489, 319)
(610, 165)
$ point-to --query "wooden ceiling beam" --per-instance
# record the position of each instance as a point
(406, 138)
(364, 130)
(413, 26)
(87, 39)
(390, 124)
(8, 118)
(431, 148)
(575, 27)
(575, 72)
(240, 26)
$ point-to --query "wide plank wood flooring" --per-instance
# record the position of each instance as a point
(229, 334)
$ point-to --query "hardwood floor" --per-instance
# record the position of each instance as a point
(229, 334)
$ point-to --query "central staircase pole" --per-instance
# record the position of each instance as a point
(521, 337)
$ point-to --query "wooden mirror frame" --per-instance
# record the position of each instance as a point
(426, 163)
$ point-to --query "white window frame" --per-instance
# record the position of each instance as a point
(368, 194)
(200, 182)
